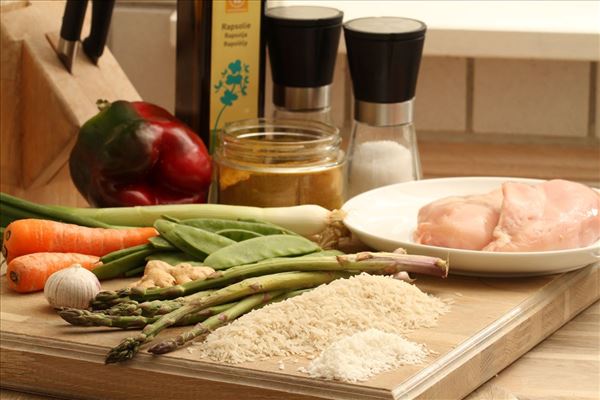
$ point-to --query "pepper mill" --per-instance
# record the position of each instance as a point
(384, 54)
(303, 43)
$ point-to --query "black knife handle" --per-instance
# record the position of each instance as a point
(94, 44)
(73, 20)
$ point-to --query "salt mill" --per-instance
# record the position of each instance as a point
(302, 43)
(384, 54)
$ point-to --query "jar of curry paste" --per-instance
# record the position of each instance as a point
(279, 163)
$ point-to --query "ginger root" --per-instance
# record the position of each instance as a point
(161, 274)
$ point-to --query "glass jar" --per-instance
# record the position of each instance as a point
(279, 163)
(382, 155)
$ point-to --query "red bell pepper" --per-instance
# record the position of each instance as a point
(136, 153)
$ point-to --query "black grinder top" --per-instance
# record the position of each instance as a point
(303, 43)
(384, 54)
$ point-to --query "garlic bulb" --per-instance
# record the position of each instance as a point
(71, 287)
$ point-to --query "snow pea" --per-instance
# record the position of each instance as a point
(194, 241)
(323, 253)
(160, 243)
(238, 234)
(121, 265)
(258, 249)
(216, 224)
(124, 252)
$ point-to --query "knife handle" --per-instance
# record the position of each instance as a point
(73, 20)
(94, 44)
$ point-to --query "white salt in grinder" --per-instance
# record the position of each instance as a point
(384, 54)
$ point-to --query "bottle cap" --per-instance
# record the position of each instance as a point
(303, 43)
(384, 54)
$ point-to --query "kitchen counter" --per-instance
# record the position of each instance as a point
(564, 366)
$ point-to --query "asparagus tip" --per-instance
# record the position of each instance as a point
(124, 351)
(106, 295)
(72, 316)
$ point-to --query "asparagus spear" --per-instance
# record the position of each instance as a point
(154, 307)
(78, 317)
(218, 320)
(126, 308)
(101, 302)
(287, 280)
(388, 263)
(127, 321)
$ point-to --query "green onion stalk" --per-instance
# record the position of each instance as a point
(306, 220)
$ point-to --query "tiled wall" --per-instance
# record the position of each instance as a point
(529, 98)
(441, 100)
(519, 100)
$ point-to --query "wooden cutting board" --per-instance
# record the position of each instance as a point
(491, 323)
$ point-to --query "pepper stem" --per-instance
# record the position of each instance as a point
(102, 104)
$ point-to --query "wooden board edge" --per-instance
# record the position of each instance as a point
(195, 376)
(507, 339)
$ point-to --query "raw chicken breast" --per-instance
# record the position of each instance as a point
(553, 215)
(465, 222)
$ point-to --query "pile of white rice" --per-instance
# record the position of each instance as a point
(307, 324)
(360, 356)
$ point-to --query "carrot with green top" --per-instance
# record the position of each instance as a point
(26, 236)
(29, 273)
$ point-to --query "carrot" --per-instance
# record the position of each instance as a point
(26, 236)
(29, 273)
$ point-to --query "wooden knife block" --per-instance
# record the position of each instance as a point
(42, 105)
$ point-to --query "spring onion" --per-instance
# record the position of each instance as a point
(306, 220)
(13, 208)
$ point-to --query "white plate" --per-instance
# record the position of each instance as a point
(385, 218)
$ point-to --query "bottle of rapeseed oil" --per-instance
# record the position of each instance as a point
(220, 71)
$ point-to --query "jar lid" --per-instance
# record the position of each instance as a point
(384, 54)
(303, 43)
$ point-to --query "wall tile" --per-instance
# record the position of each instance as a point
(531, 97)
(441, 98)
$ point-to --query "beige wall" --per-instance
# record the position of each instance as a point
(508, 97)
